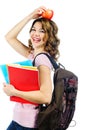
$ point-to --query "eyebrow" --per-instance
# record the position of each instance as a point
(36, 28)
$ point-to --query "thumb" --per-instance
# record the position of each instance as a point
(4, 84)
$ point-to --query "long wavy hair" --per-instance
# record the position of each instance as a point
(51, 32)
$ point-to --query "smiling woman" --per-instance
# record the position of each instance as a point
(70, 15)
(43, 38)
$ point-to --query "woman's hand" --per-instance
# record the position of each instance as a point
(9, 89)
(37, 12)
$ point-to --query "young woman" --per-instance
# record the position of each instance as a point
(43, 38)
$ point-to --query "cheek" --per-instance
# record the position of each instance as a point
(31, 34)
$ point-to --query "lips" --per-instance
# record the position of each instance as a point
(36, 40)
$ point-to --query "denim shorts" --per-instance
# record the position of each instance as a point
(15, 126)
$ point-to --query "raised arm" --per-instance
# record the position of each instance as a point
(12, 35)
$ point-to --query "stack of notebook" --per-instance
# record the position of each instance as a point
(23, 78)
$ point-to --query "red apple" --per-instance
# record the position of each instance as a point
(48, 14)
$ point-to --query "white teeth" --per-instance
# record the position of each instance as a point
(36, 39)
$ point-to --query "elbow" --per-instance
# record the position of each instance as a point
(47, 99)
(7, 37)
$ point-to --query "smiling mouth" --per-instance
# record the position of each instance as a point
(36, 40)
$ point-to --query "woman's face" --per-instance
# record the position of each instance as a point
(37, 35)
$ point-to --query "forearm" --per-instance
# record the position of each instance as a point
(13, 33)
(34, 96)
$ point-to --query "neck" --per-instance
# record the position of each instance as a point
(37, 51)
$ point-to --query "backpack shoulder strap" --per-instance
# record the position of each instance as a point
(53, 62)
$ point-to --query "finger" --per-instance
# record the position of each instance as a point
(41, 9)
(4, 84)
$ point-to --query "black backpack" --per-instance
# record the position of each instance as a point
(59, 113)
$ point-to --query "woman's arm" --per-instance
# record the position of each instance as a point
(11, 36)
(42, 96)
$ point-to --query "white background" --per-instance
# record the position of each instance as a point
(70, 16)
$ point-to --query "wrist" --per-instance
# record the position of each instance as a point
(16, 92)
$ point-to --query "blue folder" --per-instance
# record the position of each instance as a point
(4, 68)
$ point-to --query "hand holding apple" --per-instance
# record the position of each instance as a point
(47, 14)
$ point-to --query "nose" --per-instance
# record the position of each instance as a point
(37, 33)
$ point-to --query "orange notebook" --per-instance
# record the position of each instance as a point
(24, 79)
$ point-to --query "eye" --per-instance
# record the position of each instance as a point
(33, 29)
(42, 31)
